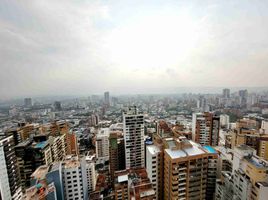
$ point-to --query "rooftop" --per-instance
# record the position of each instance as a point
(40, 172)
(257, 162)
(192, 150)
(71, 162)
(24, 143)
(122, 178)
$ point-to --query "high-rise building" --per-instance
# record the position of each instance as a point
(189, 170)
(57, 106)
(10, 187)
(133, 126)
(91, 173)
(205, 128)
(102, 144)
(28, 102)
(154, 167)
(28, 130)
(226, 93)
(58, 147)
(73, 178)
(72, 144)
(30, 156)
(75, 186)
(224, 120)
(107, 99)
(117, 152)
(243, 94)
(93, 120)
(16, 135)
(249, 179)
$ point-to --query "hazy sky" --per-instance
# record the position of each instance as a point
(83, 47)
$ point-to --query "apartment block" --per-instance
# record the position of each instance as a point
(133, 184)
(116, 152)
(58, 147)
(189, 170)
(133, 126)
(102, 144)
(249, 179)
(205, 128)
(30, 156)
(154, 167)
(71, 144)
(73, 178)
(10, 185)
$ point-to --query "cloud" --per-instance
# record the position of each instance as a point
(84, 47)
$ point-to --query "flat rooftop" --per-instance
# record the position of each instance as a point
(153, 149)
(24, 143)
(258, 163)
(40, 172)
(194, 150)
(71, 162)
(122, 178)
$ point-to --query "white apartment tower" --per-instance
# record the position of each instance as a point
(74, 181)
(153, 166)
(10, 187)
(91, 174)
(133, 126)
(102, 144)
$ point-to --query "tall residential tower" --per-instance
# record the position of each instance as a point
(133, 126)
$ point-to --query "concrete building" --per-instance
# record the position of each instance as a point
(264, 127)
(73, 178)
(57, 106)
(75, 186)
(116, 152)
(41, 192)
(40, 188)
(205, 128)
(249, 179)
(107, 99)
(225, 162)
(10, 187)
(93, 120)
(102, 144)
(91, 173)
(224, 121)
(58, 147)
(28, 102)
(226, 93)
(28, 130)
(72, 144)
(133, 184)
(154, 167)
(247, 132)
(30, 156)
(224, 186)
(133, 126)
(189, 170)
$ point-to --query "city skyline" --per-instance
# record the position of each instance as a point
(87, 47)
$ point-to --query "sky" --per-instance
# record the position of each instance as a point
(75, 47)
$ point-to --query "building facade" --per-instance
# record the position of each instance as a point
(10, 185)
(133, 126)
